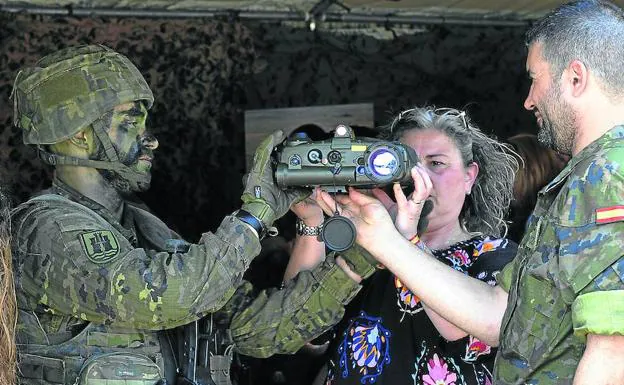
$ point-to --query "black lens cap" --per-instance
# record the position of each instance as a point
(338, 233)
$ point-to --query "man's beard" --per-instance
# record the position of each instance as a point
(558, 126)
(122, 185)
(117, 181)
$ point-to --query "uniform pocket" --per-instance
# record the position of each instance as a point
(119, 369)
(538, 321)
(36, 369)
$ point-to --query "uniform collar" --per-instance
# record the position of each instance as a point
(616, 133)
(127, 229)
(61, 188)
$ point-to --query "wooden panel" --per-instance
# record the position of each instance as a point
(260, 123)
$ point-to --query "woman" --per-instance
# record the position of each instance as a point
(7, 300)
(392, 338)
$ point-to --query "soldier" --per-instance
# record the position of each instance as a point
(98, 276)
(557, 312)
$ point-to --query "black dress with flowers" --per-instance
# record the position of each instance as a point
(390, 340)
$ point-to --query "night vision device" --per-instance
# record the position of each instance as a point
(343, 161)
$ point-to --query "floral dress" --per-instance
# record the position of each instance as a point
(390, 340)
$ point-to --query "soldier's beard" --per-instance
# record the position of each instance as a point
(558, 126)
(130, 159)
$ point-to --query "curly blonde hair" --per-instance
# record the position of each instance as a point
(485, 208)
(7, 299)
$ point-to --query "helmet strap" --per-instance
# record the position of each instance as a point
(99, 128)
(132, 176)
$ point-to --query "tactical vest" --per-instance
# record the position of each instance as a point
(97, 354)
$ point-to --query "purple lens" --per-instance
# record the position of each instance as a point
(383, 162)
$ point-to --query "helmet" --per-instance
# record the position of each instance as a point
(72, 88)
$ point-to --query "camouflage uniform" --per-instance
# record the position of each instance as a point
(568, 278)
(90, 286)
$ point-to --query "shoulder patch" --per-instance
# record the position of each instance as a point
(610, 214)
(101, 246)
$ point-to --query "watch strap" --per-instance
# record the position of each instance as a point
(303, 229)
(252, 221)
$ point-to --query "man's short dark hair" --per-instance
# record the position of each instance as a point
(591, 31)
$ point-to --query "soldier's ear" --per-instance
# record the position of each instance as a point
(80, 140)
(85, 140)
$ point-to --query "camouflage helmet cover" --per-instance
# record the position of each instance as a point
(70, 89)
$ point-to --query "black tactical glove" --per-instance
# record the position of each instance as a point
(360, 261)
(261, 197)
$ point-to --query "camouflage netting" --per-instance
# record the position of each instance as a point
(195, 71)
(205, 73)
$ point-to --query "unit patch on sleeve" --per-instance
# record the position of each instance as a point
(610, 214)
(101, 246)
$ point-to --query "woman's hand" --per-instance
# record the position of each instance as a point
(388, 203)
(309, 211)
(370, 217)
(409, 208)
(307, 251)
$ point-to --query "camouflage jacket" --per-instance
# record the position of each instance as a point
(568, 278)
(87, 285)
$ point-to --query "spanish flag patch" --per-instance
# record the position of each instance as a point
(610, 214)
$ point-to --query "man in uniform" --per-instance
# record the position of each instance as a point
(557, 313)
(98, 275)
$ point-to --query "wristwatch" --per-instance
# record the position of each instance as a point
(303, 229)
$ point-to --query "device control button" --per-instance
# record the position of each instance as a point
(295, 160)
(315, 156)
(334, 157)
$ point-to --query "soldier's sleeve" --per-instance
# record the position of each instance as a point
(282, 321)
(599, 309)
(591, 251)
(70, 265)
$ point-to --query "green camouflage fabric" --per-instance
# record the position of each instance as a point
(360, 261)
(86, 285)
(70, 89)
(568, 277)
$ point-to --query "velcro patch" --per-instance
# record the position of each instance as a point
(610, 214)
(101, 246)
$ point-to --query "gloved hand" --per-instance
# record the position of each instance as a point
(261, 197)
(360, 261)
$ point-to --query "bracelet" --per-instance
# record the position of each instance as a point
(415, 239)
